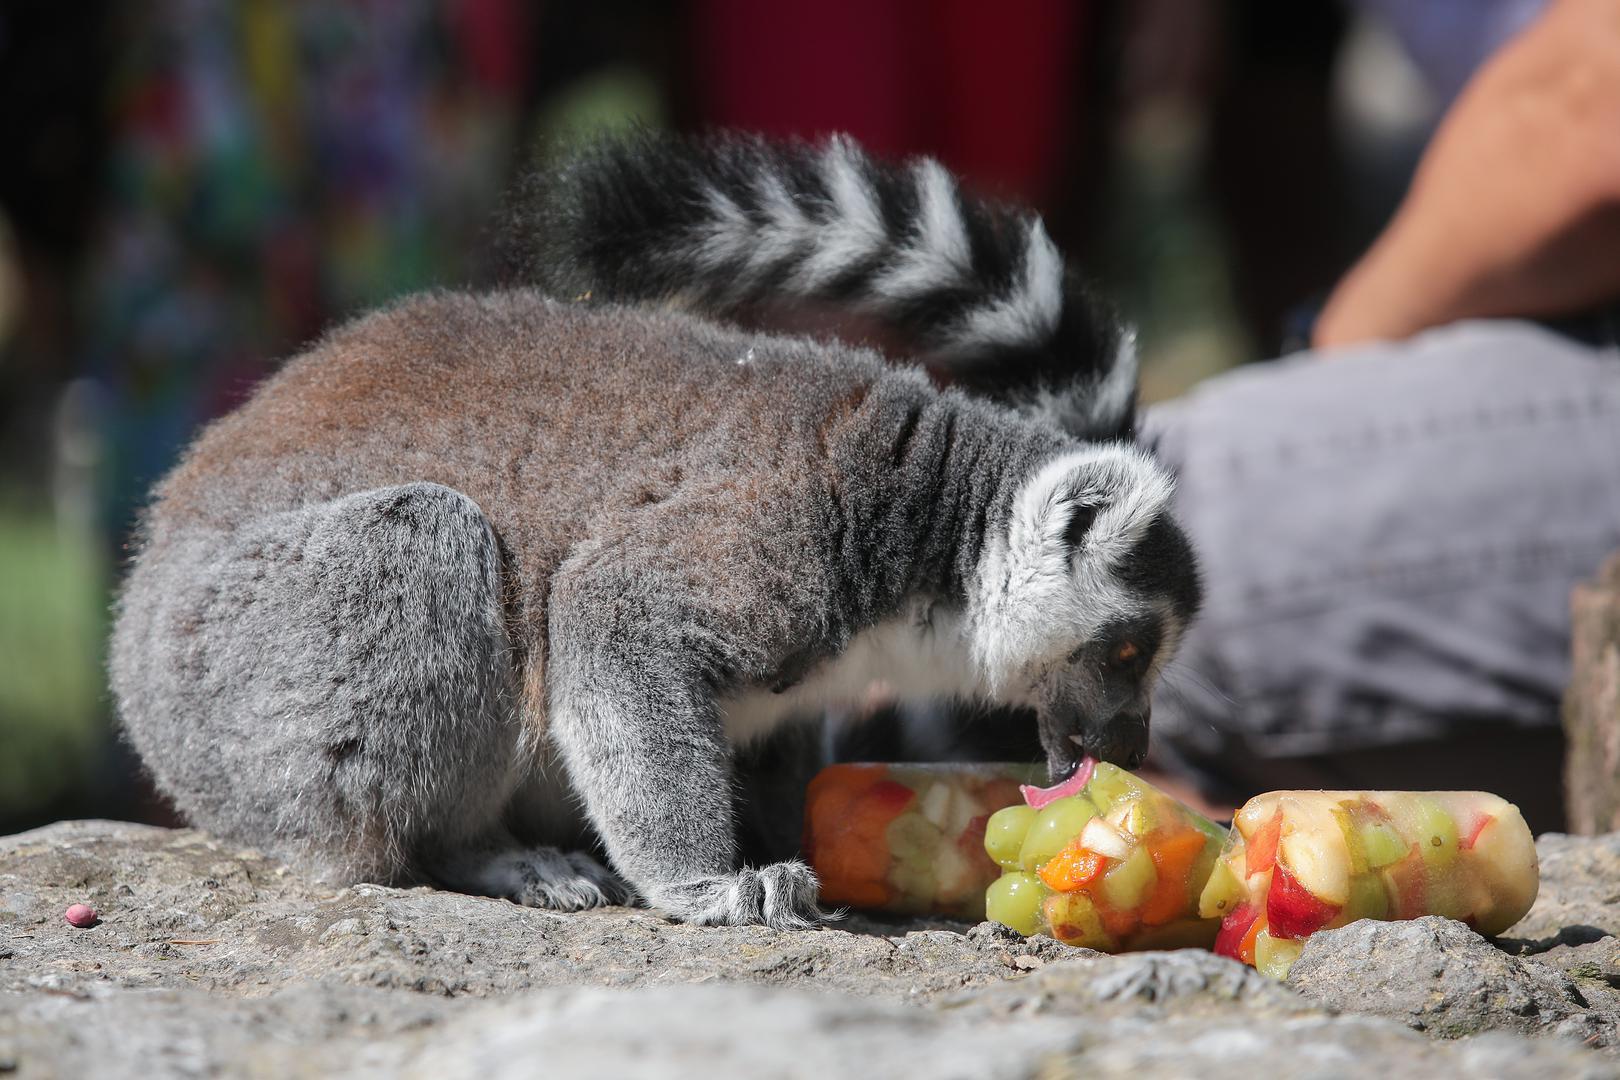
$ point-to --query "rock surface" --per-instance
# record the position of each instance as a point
(1580, 888)
(211, 960)
(1436, 975)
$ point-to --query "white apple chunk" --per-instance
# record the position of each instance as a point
(1105, 838)
(1317, 863)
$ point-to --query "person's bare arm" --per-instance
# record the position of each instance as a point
(1515, 208)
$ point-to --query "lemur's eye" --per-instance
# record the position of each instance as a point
(1126, 652)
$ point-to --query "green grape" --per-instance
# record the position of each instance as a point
(1057, 824)
(1014, 899)
(1110, 783)
(1274, 956)
(1380, 844)
(911, 836)
(1004, 834)
(1436, 833)
(1125, 885)
(915, 881)
(1368, 898)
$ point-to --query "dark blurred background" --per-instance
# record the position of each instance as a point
(191, 189)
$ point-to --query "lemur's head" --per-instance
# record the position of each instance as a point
(1083, 599)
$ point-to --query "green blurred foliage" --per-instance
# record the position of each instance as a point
(53, 618)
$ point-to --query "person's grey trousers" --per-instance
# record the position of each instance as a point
(1389, 535)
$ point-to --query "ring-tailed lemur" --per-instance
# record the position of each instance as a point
(482, 579)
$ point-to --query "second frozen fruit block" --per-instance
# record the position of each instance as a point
(1107, 861)
(1302, 861)
(907, 838)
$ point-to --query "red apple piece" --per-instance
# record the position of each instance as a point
(1234, 928)
(890, 796)
(1408, 885)
(1292, 910)
(1480, 821)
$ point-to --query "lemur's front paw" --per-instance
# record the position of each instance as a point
(782, 896)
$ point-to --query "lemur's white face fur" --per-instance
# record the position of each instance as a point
(1078, 607)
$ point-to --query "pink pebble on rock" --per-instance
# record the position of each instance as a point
(80, 915)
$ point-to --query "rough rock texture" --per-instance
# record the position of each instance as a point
(1580, 887)
(1592, 705)
(213, 961)
(1436, 975)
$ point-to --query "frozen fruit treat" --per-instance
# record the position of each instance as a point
(907, 838)
(1302, 861)
(1104, 860)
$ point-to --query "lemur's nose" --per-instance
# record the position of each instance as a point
(1122, 738)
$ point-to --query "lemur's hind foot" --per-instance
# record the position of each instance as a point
(541, 877)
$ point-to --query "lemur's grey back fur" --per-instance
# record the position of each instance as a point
(728, 223)
(481, 581)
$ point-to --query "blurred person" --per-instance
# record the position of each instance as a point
(1390, 524)
(1515, 208)
(1448, 39)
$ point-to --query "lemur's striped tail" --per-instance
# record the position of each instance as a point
(727, 224)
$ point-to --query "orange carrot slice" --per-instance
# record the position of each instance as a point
(1073, 868)
(1173, 858)
(1246, 949)
(852, 807)
(1262, 846)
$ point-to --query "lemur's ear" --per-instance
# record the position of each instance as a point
(1080, 521)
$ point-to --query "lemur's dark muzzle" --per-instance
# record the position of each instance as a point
(1121, 739)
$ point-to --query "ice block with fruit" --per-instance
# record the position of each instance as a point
(1301, 861)
(1104, 860)
(907, 838)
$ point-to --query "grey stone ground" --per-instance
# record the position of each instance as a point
(214, 961)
